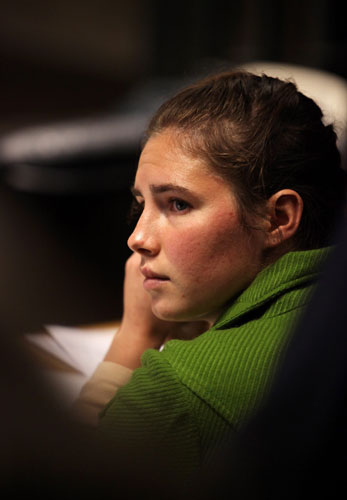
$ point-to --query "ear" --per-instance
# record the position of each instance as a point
(284, 211)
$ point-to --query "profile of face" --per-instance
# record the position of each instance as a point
(195, 253)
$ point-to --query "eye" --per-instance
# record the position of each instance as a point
(178, 205)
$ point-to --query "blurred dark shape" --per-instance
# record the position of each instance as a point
(90, 155)
(61, 258)
(99, 154)
(95, 155)
(296, 446)
(44, 453)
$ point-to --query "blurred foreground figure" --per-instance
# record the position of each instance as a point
(43, 453)
(296, 446)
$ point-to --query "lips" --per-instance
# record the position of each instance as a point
(152, 279)
(149, 274)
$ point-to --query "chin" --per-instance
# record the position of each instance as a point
(168, 315)
(174, 314)
(166, 312)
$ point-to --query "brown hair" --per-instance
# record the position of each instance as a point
(262, 135)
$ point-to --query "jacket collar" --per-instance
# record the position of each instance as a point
(292, 270)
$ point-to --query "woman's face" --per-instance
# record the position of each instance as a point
(195, 254)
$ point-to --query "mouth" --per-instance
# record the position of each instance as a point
(153, 280)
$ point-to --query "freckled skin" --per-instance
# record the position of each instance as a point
(204, 250)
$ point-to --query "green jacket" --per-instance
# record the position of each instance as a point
(184, 399)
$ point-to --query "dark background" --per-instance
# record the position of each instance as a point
(62, 255)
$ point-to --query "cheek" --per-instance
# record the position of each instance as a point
(187, 253)
(201, 252)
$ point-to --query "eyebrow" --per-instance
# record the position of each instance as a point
(162, 188)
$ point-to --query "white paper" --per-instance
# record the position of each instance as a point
(85, 347)
(80, 348)
(48, 343)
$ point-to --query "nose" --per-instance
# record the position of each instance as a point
(144, 239)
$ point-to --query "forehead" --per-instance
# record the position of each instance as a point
(164, 160)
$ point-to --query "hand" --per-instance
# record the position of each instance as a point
(140, 329)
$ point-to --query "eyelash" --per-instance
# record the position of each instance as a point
(136, 209)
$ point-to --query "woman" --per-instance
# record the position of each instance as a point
(238, 187)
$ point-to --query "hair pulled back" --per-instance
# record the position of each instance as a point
(262, 135)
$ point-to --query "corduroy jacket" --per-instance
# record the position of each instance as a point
(184, 399)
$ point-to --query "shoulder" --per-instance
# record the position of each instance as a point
(147, 383)
(152, 418)
(155, 399)
(231, 366)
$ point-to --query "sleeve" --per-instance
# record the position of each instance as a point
(97, 392)
(151, 419)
